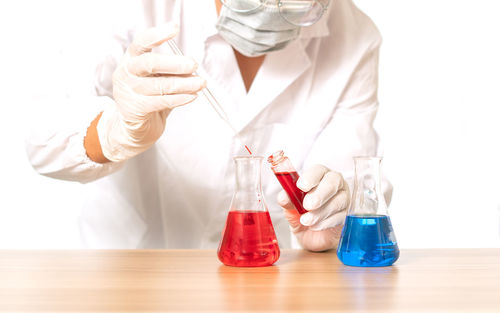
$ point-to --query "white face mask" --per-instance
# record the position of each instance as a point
(258, 32)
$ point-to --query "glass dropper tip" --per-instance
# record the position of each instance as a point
(246, 147)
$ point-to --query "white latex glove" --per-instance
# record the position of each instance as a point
(146, 87)
(327, 201)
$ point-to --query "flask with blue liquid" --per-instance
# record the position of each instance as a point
(367, 238)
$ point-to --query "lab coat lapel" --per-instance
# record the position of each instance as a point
(279, 70)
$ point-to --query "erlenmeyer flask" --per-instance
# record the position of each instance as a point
(367, 237)
(248, 238)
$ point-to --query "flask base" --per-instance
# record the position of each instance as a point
(368, 241)
(249, 240)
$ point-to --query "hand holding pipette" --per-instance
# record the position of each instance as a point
(146, 87)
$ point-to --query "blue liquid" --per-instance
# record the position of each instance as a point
(368, 240)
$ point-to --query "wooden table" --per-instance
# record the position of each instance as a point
(454, 280)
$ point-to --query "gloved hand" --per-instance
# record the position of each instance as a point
(327, 201)
(146, 87)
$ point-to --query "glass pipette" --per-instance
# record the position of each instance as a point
(210, 98)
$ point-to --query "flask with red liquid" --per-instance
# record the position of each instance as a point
(287, 176)
(248, 238)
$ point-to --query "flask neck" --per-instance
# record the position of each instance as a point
(367, 197)
(248, 191)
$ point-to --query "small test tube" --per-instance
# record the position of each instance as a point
(287, 176)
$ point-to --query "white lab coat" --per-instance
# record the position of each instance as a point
(316, 100)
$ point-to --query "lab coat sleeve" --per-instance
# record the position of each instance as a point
(55, 143)
(55, 147)
(350, 131)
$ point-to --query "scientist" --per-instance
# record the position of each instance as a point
(300, 76)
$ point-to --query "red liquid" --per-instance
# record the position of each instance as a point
(249, 240)
(289, 182)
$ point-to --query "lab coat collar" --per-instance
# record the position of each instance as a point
(278, 71)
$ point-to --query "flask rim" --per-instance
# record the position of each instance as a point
(247, 157)
(367, 157)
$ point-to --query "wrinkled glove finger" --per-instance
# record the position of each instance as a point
(284, 201)
(293, 218)
(154, 63)
(338, 203)
(311, 177)
(151, 104)
(321, 240)
(146, 40)
(329, 185)
(330, 222)
(291, 214)
(159, 86)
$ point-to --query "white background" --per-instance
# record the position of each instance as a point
(440, 106)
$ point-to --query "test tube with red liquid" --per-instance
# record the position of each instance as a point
(287, 176)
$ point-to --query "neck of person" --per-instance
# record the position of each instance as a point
(249, 66)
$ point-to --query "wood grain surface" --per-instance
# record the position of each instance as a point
(434, 280)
